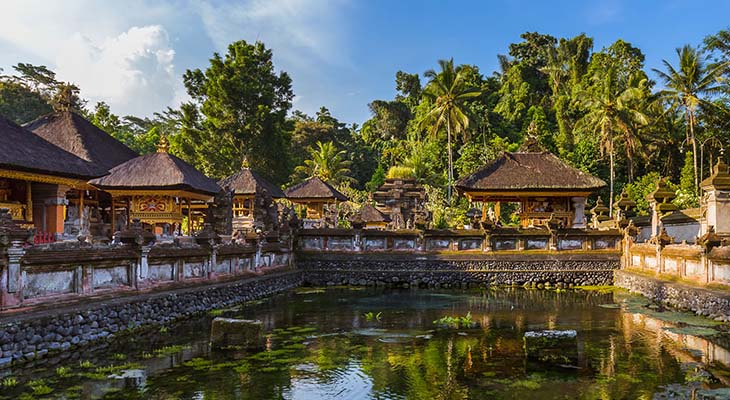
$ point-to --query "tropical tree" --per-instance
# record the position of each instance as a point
(686, 87)
(612, 113)
(327, 163)
(447, 92)
(243, 104)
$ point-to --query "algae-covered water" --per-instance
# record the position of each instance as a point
(342, 343)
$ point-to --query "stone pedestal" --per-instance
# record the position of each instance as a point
(715, 203)
(241, 333)
(579, 207)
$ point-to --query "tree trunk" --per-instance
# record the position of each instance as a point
(694, 147)
(610, 199)
(451, 161)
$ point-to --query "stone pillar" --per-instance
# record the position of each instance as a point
(12, 239)
(357, 244)
(143, 266)
(579, 207)
(715, 204)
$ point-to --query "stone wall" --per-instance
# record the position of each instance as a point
(688, 262)
(36, 335)
(63, 272)
(710, 303)
(454, 271)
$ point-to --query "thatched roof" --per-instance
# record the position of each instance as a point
(246, 181)
(529, 172)
(314, 189)
(80, 137)
(157, 171)
(22, 150)
(368, 213)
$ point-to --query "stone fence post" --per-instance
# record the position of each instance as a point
(141, 241)
(12, 240)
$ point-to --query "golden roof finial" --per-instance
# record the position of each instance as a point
(164, 145)
(244, 162)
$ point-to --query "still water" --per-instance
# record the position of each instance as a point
(343, 343)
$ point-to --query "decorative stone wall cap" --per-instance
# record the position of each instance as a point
(631, 229)
(709, 240)
(720, 178)
(624, 203)
(136, 235)
(207, 236)
(662, 193)
(663, 238)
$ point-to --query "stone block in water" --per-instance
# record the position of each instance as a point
(552, 346)
(241, 333)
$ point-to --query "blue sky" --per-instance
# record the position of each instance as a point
(340, 53)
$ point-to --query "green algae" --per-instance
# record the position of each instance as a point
(170, 350)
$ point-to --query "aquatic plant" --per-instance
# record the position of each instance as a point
(163, 329)
(9, 382)
(119, 356)
(86, 364)
(370, 316)
(170, 350)
(456, 322)
(216, 312)
(39, 387)
(63, 372)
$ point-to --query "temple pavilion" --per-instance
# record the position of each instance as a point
(86, 209)
(372, 218)
(160, 190)
(314, 197)
(252, 198)
(35, 176)
(544, 186)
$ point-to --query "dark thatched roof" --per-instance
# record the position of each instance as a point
(529, 172)
(246, 181)
(22, 150)
(157, 171)
(314, 188)
(368, 213)
(78, 136)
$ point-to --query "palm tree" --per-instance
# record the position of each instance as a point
(685, 87)
(614, 113)
(327, 163)
(447, 92)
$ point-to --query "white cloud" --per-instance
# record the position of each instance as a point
(110, 50)
(133, 72)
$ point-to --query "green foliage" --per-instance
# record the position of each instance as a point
(400, 172)
(371, 316)
(376, 180)
(639, 189)
(9, 382)
(63, 372)
(39, 387)
(326, 162)
(242, 104)
(456, 322)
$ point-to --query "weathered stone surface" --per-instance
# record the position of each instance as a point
(684, 297)
(552, 346)
(20, 340)
(248, 334)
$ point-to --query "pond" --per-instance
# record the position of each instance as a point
(374, 343)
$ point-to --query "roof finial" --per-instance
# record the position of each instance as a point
(164, 144)
(244, 162)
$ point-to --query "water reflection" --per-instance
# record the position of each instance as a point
(322, 347)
